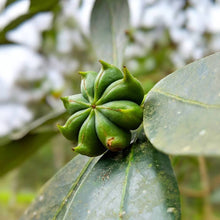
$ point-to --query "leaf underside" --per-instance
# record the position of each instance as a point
(138, 183)
(182, 112)
(109, 22)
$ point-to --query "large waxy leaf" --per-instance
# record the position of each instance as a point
(109, 21)
(18, 146)
(182, 112)
(135, 184)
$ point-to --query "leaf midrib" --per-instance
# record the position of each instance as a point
(74, 187)
(114, 53)
(125, 185)
(184, 100)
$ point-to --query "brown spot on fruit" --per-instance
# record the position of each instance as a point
(109, 142)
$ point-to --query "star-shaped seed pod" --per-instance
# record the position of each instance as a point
(105, 112)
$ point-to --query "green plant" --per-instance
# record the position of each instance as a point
(105, 112)
(181, 117)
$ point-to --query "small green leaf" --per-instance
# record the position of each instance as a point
(182, 112)
(109, 21)
(138, 183)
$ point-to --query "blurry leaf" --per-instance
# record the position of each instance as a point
(109, 21)
(13, 24)
(182, 112)
(33, 126)
(16, 152)
(215, 196)
(81, 2)
(18, 146)
(9, 2)
(42, 5)
(138, 183)
(36, 6)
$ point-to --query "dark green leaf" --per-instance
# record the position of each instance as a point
(109, 21)
(42, 5)
(16, 152)
(18, 146)
(135, 184)
(182, 112)
(9, 2)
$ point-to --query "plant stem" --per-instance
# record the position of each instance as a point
(215, 183)
(208, 214)
(191, 192)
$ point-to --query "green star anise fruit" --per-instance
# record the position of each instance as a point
(105, 112)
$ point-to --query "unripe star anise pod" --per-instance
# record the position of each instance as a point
(105, 111)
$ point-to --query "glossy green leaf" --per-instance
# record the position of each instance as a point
(109, 21)
(138, 183)
(182, 112)
(18, 146)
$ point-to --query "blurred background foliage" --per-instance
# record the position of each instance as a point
(43, 44)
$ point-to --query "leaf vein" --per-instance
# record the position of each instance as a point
(125, 186)
(74, 186)
(181, 99)
(114, 53)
